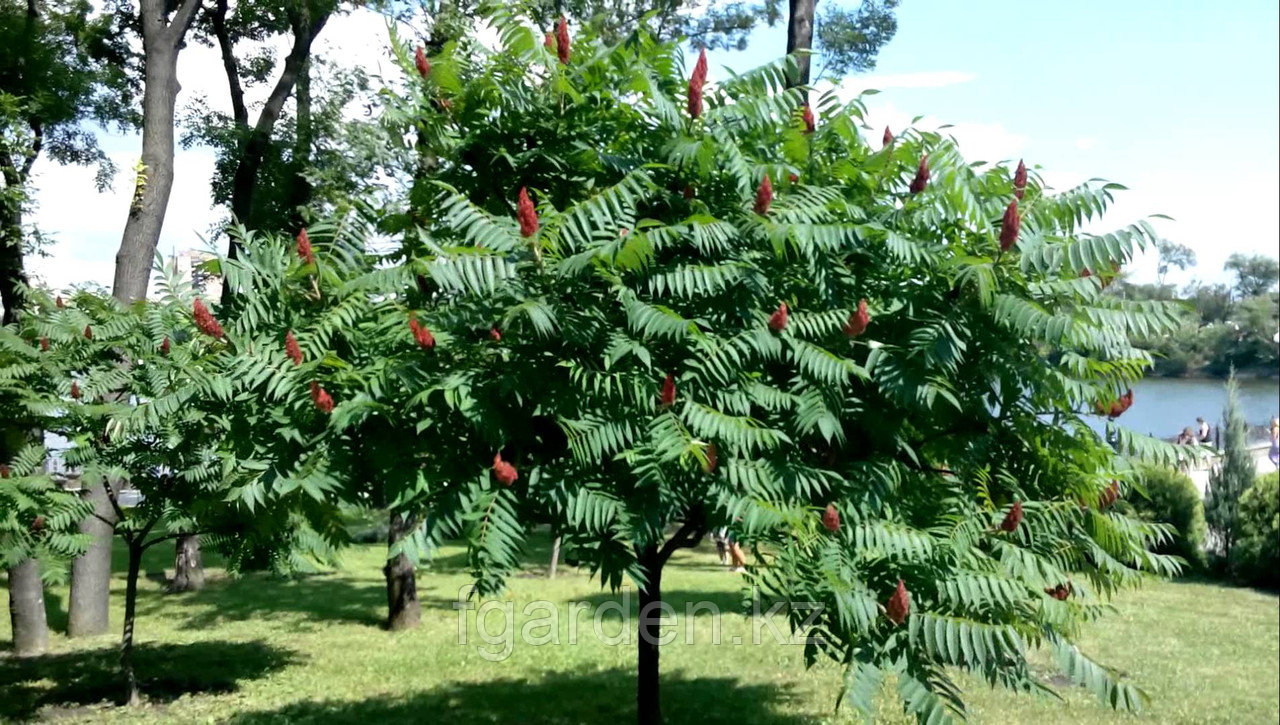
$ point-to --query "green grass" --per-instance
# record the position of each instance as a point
(259, 649)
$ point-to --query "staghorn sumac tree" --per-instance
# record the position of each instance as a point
(869, 357)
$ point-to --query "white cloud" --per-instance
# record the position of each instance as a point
(1084, 143)
(978, 140)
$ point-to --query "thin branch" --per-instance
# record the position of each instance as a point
(218, 19)
(37, 130)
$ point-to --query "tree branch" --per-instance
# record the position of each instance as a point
(181, 21)
(218, 19)
(687, 536)
(37, 130)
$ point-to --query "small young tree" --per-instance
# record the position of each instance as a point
(875, 360)
(1230, 477)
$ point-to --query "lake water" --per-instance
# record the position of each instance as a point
(1164, 406)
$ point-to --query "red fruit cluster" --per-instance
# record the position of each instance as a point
(548, 42)
(4, 471)
(165, 346)
(858, 321)
(1020, 180)
(562, 40)
(321, 398)
(1109, 495)
(503, 471)
(831, 518)
(921, 179)
(44, 344)
(1060, 592)
(304, 247)
(88, 332)
(764, 196)
(713, 458)
(688, 191)
(1012, 518)
(526, 214)
(1116, 408)
(495, 335)
(59, 302)
(420, 60)
(778, 320)
(806, 114)
(899, 605)
(697, 80)
(205, 321)
(291, 348)
(75, 390)
(667, 396)
(1085, 273)
(888, 136)
(421, 334)
(1010, 226)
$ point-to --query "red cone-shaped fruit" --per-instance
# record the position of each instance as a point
(321, 398)
(712, 458)
(88, 332)
(59, 302)
(164, 346)
(1109, 495)
(504, 472)
(205, 321)
(764, 196)
(888, 136)
(291, 348)
(778, 320)
(1009, 226)
(899, 605)
(1020, 180)
(831, 518)
(562, 40)
(806, 115)
(420, 61)
(526, 214)
(75, 390)
(667, 397)
(1013, 518)
(421, 334)
(44, 344)
(858, 321)
(921, 179)
(304, 247)
(495, 334)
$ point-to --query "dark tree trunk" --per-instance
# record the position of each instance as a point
(162, 38)
(12, 274)
(648, 695)
(800, 37)
(26, 609)
(555, 558)
(244, 182)
(132, 695)
(300, 189)
(403, 609)
(188, 569)
(91, 572)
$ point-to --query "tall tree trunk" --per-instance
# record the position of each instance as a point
(12, 273)
(300, 189)
(91, 572)
(555, 558)
(26, 609)
(403, 609)
(132, 695)
(648, 695)
(800, 37)
(188, 569)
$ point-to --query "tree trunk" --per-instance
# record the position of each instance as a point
(132, 696)
(403, 609)
(555, 558)
(300, 189)
(155, 178)
(648, 696)
(26, 609)
(800, 37)
(12, 274)
(188, 569)
(91, 572)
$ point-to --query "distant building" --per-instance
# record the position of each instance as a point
(208, 285)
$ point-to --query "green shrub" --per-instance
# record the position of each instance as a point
(1172, 498)
(1257, 554)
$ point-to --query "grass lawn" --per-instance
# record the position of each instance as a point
(258, 649)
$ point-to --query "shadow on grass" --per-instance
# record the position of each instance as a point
(557, 699)
(165, 673)
(318, 598)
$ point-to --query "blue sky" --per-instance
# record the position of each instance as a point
(1177, 100)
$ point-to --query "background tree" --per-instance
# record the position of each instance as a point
(1172, 255)
(1256, 274)
(1229, 479)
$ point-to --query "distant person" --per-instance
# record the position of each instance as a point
(1202, 430)
(1186, 437)
(1274, 452)
(721, 537)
